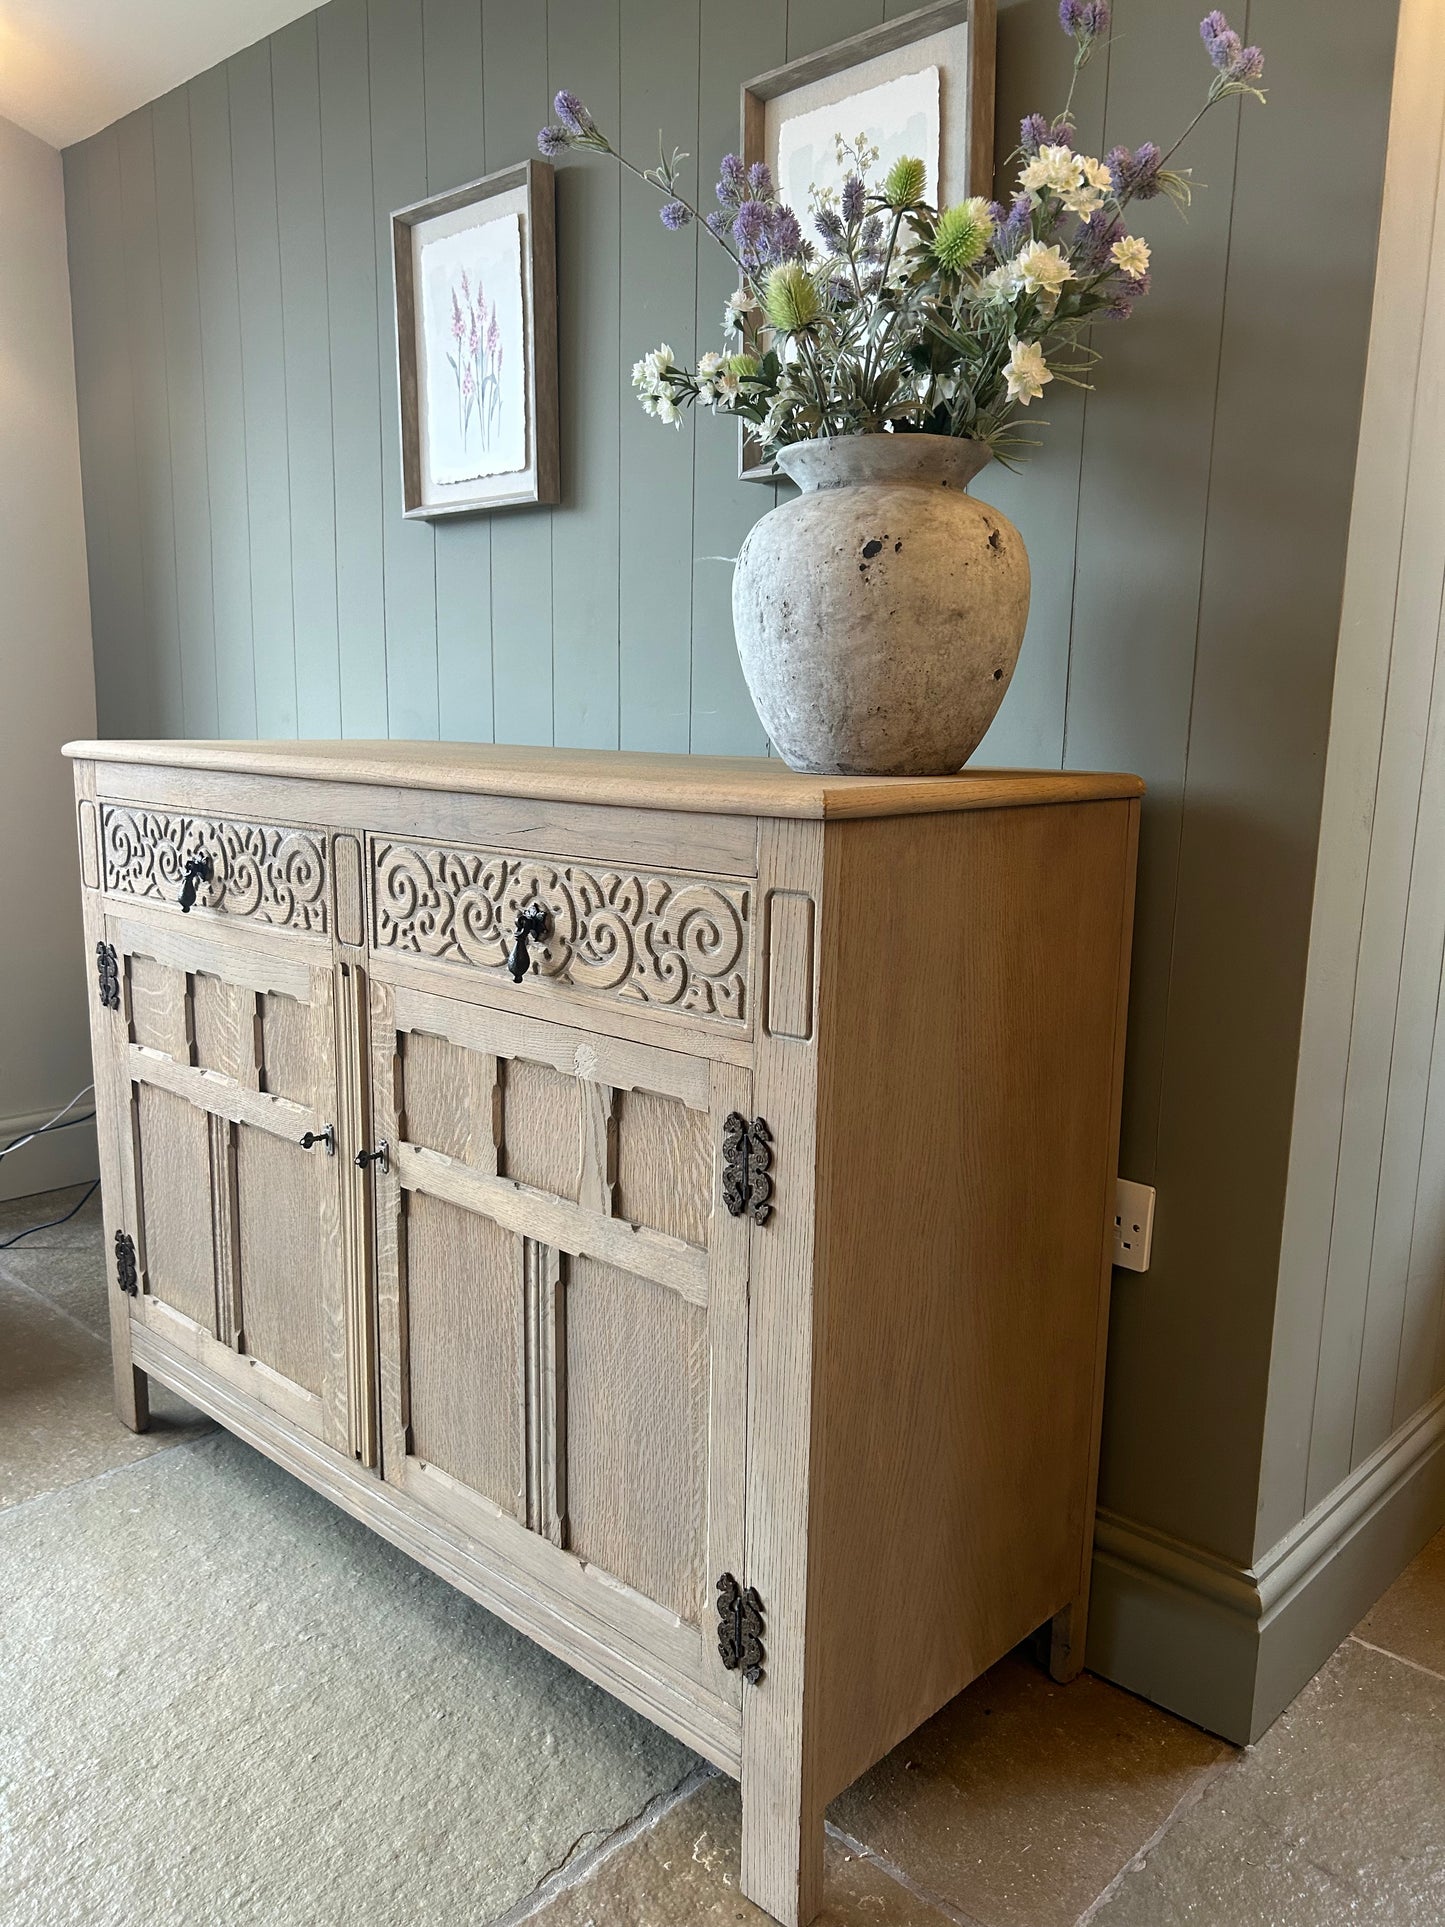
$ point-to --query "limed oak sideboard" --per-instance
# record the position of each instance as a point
(669, 1197)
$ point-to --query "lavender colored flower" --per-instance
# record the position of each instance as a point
(1071, 15)
(733, 184)
(1015, 229)
(1095, 17)
(1250, 64)
(853, 198)
(997, 213)
(1221, 42)
(1034, 130)
(720, 225)
(831, 232)
(1096, 237)
(572, 114)
(1136, 174)
(751, 230)
(1127, 294)
(786, 239)
(553, 141)
(840, 291)
(675, 215)
(760, 181)
(870, 239)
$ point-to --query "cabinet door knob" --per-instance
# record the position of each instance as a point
(532, 924)
(199, 869)
(379, 1157)
(326, 1137)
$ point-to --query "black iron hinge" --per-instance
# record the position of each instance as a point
(107, 972)
(747, 1162)
(740, 1629)
(126, 1275)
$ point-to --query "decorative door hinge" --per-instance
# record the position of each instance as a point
(107, 972)
(740, 1629)
(126, 1275)
(747, 1161)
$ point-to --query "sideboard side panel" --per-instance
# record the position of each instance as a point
(967, 1140)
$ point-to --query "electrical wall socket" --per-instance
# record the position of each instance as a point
(1133, 1224)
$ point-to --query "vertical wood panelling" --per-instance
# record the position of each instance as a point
(306, 336)
(398, 168)
(225, 403)
(160, 666)
(659, 303)
(186, 410)
(739, 38)
(582, 54)
(263, 389)
(515, 104)
(456, 152)
(355, 367)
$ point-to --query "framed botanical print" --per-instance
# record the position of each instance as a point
(476, 336)
(920, 85)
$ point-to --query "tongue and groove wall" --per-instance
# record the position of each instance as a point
(251, 573)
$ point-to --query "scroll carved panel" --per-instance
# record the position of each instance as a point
(258, 870)
(674, 942)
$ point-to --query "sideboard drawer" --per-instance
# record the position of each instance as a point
(649, 940)
(271, 873)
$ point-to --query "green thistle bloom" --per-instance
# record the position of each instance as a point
(963, 233)
(790, 299)
(905, 181)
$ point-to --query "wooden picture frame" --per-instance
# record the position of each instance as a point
(956, 36)
(504, 426)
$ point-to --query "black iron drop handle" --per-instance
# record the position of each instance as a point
(199, 869)
(533, 923)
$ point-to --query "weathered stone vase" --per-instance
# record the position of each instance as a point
(879, 614)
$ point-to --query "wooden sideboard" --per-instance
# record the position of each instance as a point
(669, 1197)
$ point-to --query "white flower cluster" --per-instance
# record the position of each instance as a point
(654, 390)
(716, 382)
(1027, 371)
(1079, 182)
(1036, 269)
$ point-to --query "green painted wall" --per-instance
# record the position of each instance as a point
(251, 574)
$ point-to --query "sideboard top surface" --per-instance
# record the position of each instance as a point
(728, 785)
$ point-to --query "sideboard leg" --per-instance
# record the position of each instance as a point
(782, 1854)
(1066, 1640)
(132, 1395)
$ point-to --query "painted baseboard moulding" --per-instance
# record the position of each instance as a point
(1229, 1647)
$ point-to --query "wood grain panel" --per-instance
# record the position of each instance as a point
(173, 1162)
(156, 994)
(665, 1160)
(541, 1142)
(289, 1252)
(223, 1017)
(465, 1348)
(447, 1099)
(637, 1433)
(292, 1054)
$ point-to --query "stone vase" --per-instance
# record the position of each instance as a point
(879, 614)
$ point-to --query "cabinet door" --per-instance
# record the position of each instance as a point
(562, 1312)
(225, 1060)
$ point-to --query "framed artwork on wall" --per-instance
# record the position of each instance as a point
(476, 336)
(922, 84)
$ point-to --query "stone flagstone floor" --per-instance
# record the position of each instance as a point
(226, 1703)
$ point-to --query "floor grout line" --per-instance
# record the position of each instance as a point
(574, 1872)
(1385, 1653)
(896, 1874)
(1185, 1804)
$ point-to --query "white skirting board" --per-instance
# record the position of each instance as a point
(59, 1158)
(1229, 1648)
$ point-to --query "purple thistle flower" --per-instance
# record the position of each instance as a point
(840, 290)
(1135, 174)
(997, 213)
(1095, 18)
(1221, 42)
(1126, 295)
(1212, 26)
(572, 114)
(1016, 228)
(760, 181)
(1061, 132)
(719, 224)
(1250, 64)
(1096, 237)
(786, 238)
(1034, 130)
(675, 215)
(853, 199)
(831, 233)
(870, 240)
(733, 184)
(554, 141)
(751, 230)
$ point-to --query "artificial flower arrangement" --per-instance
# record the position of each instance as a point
(902, 316)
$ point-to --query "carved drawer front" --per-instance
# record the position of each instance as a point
(563, 1311)
(264, 871)
(648, 939)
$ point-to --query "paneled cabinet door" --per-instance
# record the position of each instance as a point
(562, 1312)
(223, 1061)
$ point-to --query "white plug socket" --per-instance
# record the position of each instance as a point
(1133, 1224)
